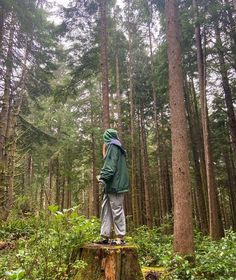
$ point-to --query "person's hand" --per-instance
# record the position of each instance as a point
(101, 183)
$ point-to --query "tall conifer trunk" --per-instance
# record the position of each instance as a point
(201, 210)
(231, 187)
(1, 29)
(146, 173)
(134, 188)
(154, 95)
(4, 119)
(7, 85)
(183, 223)
(10, 136)
(118, 96)
(226, 85)
(215, 225)
(95, 189)
(58, 189)
(232, 32)
(104, 64)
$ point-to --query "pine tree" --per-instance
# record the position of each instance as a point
(183, 224)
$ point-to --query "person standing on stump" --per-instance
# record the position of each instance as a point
(114, 178)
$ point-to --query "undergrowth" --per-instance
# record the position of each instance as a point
(212, 260)
(44, 245)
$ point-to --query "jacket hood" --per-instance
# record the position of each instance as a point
(109, 135)
(118, 144)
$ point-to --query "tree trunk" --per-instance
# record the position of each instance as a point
(10, 135)
(7, 85)
(214, 217)
(63, 193)
(127, 201)
(140, 180)
(146, 175)
(165, 191)
(199, 141)
(201, 210)
(41, 195)
(231, 186)
(168, 195)
(226, 86)
(1, 29)
(164, 174)
(4, 118)
(50, 181)
(104, 64)
(27, 177)
(58, 187)
(230, 19)
(154, 94)
(134, 188)
(67, 193)
(183, 223)
(233, 189)
(95, 188)
(11, 175)
(118, 97)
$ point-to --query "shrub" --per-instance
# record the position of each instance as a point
(154, 247)
(44, 252)
(213, 260)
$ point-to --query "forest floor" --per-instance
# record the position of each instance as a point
(41, 247)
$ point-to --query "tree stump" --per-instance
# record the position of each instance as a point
(106, 262)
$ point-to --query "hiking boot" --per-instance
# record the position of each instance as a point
(103, 242)
(118, 241)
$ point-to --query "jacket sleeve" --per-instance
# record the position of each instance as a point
(110, 164)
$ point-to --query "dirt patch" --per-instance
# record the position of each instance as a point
(7, 245)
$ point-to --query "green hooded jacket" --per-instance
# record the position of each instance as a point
(114, 171)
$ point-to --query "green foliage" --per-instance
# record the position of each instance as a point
(216, 260)
(154, 247)
(16, 274)
(45, 249)
(16, 229)
(213, 260)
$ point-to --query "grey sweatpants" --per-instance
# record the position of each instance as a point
(112, 214)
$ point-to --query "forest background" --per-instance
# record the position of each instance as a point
(101, 64)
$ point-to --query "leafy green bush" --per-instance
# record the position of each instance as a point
(217, 260)
(154, 247)
(46, 252)
(213, 260)
(46, 244)
(17, 228)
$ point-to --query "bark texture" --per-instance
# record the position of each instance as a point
(200, 208)
(226, 85)
(104, 64)
(108, 263)
(146, 175)
(183, 224)
(214, 217)
(134, 188)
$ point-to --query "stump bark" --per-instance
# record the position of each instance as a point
(109, 263)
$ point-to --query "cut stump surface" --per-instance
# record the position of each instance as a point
(106, 262)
